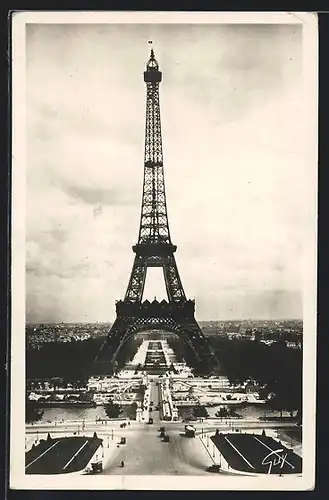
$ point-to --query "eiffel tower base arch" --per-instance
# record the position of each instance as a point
(177, 318)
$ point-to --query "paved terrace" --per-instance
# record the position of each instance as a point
(257, 454)
(61, 455)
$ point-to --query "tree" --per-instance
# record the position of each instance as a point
(286, 380)
(233, 413)
(257, 336)
(131, 411)
(200, 412)
(222, 412)
(283, 400)
(112, 410)
(32, 412)
(54, 359)
(140, 392)
(187, 415)
(172, 368)
(276, 369)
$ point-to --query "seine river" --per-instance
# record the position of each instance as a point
(58, 414)
(53, 414)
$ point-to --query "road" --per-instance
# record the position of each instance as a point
(155, 399)
(146, 453)
(91, 426)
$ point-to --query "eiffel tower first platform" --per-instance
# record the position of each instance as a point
(155, 249)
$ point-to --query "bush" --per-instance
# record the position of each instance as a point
(112, 410)
(131, 411)
(32, 412)
(200, 412)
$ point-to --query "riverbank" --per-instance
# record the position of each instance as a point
(66, 413)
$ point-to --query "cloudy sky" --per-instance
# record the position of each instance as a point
(236, 157)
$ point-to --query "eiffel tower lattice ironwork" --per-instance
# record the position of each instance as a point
(155, 249)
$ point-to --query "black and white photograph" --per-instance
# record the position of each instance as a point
(164, 211)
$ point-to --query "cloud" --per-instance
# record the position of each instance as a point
(93, 195)
(237, 304)
(236, 156)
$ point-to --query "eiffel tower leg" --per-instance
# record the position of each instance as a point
(172, 279)
(204, 356)
(136, 284)
(185, 337)
(117, 336)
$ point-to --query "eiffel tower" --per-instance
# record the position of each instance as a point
(155, 249)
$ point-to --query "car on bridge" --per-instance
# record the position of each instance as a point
(95, 468)
(189, 431)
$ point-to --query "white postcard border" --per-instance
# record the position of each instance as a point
(18, 480)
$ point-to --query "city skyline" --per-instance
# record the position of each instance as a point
(232, 320)
(240, 107)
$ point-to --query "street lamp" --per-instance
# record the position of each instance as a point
(213, 451)
(207, 440)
